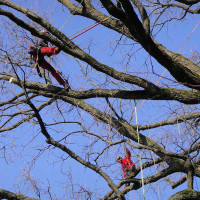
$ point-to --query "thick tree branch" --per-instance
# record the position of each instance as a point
(143, 14)
(188, 2)
(134, 25)
(4, 194)
(184, 96)
(137, 183)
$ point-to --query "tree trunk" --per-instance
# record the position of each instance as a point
(190, 174)
(190, 180)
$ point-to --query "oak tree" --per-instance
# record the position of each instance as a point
(92, 121)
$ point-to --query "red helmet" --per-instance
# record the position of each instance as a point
(44, 31)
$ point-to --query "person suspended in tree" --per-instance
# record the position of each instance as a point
(43, 49)
(128, 167)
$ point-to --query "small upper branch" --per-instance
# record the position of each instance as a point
(110, 144)
(113, 110)
(35, 32)
(12, 99)
(159, 151)
(193, 148)
(170, 121)
(184, 96)
(16, 124)
(181, 6)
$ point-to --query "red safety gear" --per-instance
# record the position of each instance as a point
(49, 51)
(39, 58)
(127, 164)
(42, 49)
(44, 31)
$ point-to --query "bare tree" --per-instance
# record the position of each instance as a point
(92, 121)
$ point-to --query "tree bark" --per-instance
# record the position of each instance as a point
(190, 174)
(186, 195)
(4, 194)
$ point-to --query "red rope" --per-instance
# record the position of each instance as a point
(90, 28)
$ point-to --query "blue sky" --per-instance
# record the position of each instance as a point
(49, 167)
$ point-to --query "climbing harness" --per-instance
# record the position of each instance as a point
(36, 65)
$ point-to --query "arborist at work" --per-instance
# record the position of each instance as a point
(128, 167)
(43, 49)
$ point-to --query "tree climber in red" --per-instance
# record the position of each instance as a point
(128, 167)
(42, 49)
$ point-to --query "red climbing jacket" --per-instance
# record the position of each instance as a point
(127, 163)
(39, 58)
(42, 49)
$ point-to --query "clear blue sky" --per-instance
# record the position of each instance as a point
(49, 167)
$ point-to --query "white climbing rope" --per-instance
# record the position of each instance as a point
(71, 14)
(136, 121)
